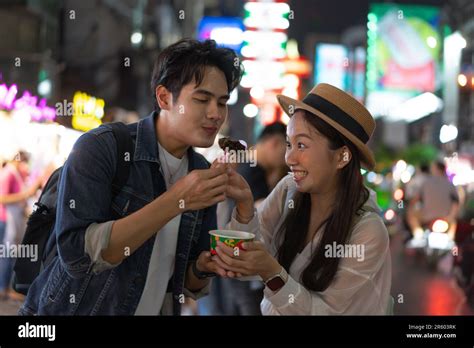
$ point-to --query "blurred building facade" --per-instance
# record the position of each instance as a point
(29, 49)
(460, 16)
(106, 49)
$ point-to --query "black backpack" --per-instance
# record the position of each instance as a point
(40, 225)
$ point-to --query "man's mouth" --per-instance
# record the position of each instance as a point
(210, 130)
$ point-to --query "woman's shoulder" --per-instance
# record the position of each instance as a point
(370, 229)
(285, 185)
(282, 192)
(286, 181)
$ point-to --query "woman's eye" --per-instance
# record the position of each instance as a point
(301, 146)
(222, 104)
(288, 145)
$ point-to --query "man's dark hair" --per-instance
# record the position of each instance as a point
(276, 128)
(441, 166)
(425, 168)
(185, 61)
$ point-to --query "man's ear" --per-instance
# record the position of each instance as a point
(163, 97)
(344, 157)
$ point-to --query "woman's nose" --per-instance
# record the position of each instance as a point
(290, 157)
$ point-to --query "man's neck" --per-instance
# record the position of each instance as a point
(165, 137)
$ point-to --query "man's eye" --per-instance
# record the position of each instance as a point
(288, 145)
(201, 100)
(222, 104)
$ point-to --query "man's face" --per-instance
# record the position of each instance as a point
(199, 112)
(275, 148)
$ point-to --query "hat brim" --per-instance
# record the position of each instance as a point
(367, 157)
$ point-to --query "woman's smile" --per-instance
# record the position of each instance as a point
(299, 175)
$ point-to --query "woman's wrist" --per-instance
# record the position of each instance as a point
(245, 212)
(270, 272)
(245, 209)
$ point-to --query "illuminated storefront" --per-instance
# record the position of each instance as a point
(403, 60)
(28, 123)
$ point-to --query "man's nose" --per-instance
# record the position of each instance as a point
(214, 113)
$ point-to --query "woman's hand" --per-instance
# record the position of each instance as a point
(254, 260)
(239, 190)
(205, 263)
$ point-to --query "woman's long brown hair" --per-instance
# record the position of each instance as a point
(350, 197)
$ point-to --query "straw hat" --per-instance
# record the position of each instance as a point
(341, 111)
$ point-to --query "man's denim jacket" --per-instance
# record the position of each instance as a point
(68, 285)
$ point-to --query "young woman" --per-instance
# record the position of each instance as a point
(324, 248)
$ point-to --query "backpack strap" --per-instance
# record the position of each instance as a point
(125, 151)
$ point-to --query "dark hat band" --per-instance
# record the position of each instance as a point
(336, 114)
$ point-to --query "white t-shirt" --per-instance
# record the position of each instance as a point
(162, 258)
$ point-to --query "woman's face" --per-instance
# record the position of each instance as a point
(309, 157)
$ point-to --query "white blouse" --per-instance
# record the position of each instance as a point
(362, 283)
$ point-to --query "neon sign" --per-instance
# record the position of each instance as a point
(226, 31)
(88, 111)
(38, 111)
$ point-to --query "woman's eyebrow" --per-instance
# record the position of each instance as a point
(300, 135)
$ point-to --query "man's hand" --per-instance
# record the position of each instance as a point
(204, 263)
(201, 188)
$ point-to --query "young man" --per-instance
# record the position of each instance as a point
(140, 252)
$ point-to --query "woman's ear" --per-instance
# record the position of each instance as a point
(163, 97)
(344, 157)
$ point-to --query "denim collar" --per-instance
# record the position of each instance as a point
(146, 142)
(146, 145)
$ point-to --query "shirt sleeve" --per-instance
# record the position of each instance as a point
(97, 239)
(266, 218)
(271, 210)
(361, 285)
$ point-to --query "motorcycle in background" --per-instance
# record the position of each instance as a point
(435, 242)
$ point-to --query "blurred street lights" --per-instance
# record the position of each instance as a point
(462, 80)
